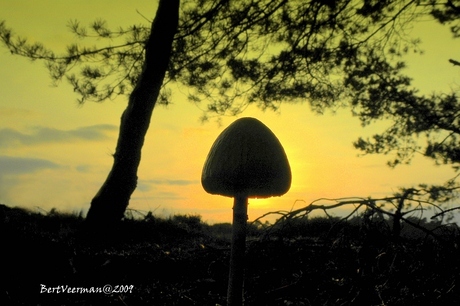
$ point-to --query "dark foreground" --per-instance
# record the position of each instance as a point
(48, 260)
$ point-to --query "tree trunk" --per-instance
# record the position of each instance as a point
(109, 204)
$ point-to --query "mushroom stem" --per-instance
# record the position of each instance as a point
(236, 275)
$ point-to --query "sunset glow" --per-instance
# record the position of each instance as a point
(56, 154)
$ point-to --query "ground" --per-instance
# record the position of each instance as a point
(49, 259)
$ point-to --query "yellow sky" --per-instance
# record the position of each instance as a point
(56, 154)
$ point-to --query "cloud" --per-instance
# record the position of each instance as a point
(174, 182)
(10, 137)
(159, 196)
(12, 167)
(83, 168)
(19, 165)
(8, 112)
(146, 185)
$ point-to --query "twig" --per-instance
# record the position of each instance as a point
(397, 216)
(454, 62)
(445, 211)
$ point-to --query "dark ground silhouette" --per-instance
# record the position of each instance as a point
(183, 261)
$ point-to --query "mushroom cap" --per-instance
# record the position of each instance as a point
(247, 159)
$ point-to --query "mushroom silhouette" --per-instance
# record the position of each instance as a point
(245, 161)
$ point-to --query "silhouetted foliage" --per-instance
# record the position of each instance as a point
(263, 52)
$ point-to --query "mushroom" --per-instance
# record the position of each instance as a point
(245, 161)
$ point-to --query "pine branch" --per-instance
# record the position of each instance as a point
(454, 62)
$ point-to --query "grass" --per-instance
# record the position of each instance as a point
(183, 261)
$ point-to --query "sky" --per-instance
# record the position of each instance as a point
(56, 154)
